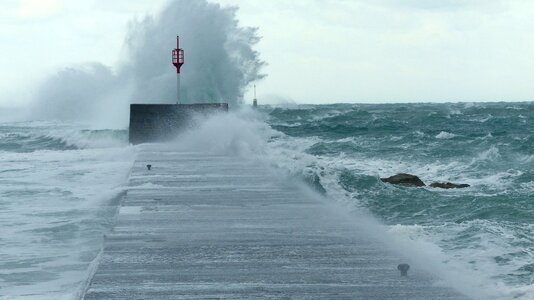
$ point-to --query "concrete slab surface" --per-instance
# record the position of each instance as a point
(203, 226)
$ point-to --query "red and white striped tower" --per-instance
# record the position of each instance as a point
(178, 62)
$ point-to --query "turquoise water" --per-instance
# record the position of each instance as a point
(487, 228)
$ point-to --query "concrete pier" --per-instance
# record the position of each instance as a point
(204, 226)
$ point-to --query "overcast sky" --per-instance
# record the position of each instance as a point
(318, 51)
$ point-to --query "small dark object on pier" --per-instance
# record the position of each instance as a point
(403, 268)
(149, 167)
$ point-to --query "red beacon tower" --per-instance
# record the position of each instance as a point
(178, 61)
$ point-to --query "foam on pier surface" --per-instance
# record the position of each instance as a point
(206, 226)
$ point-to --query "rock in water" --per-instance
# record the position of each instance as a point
(448, 185)
(405, 180)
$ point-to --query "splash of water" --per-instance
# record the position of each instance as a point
(220, 60)
(80, 93)
(220, 63)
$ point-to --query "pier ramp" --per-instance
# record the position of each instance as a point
(205, 226)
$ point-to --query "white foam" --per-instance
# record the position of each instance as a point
(492, 153)
(445, 135)
(455, 112)
(484, 120)
(54, 205)
(239, 133)
(419, 133)
(471, 268)
(89, 139)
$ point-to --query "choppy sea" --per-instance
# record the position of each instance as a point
(60, 184)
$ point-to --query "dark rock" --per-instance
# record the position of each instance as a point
(448, 185)
(405, 180)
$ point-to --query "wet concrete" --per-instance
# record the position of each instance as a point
(201, 226)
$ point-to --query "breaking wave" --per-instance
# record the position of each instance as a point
(220, 64)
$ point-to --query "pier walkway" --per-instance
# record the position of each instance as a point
(202, 226)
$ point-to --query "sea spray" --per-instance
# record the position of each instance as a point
(484, 231)
(220, 60)
(78, 93)
(479, 239)
(220, 64)
(241, 133)
(245, 135)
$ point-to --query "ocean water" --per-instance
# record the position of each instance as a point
(61, 185)
(486, 230)
(59, 191)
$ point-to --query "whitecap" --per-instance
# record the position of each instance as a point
(490, 155)
(483, 120)
(445, 135)
(455, 112)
